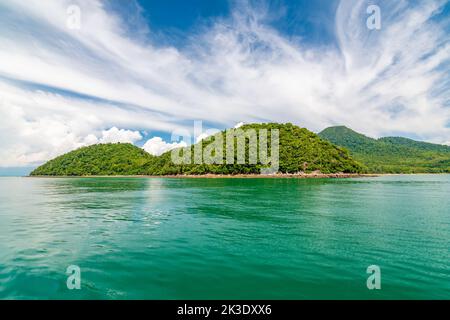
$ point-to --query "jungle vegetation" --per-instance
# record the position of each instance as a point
(300, 150)
(391, 154)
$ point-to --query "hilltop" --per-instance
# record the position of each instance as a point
(391, 154)
(100, 160)
(300, 150)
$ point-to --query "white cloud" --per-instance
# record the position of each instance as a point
(378, 82)
(157, 146)
(115, 135)
(90, 140)
(240, 124)
(201, 137)
(36, 126)
(206, 134)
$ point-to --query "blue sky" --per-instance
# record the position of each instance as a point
(139, 71)
(182, 15)
(174, 20)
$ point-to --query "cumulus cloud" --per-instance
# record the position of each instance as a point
(115, 135)
(36, 126)
(157, 146)
(201, 137)
(382, 82)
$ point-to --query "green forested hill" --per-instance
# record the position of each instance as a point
(101, 159)
(391, 154)
(299, 150)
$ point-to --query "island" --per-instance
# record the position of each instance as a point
(335, 152)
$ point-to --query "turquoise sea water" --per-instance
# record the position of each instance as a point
(138, 238)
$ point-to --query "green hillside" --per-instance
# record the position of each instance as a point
(101, 159)
(391, 154)
(299, 150)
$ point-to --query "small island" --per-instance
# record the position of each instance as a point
(336, 152)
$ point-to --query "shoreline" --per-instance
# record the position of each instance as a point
(236, 176)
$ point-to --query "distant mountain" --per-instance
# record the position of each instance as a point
(391, 154)
(300, 150)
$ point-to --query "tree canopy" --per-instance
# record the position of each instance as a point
(391, 154)
(300, 150)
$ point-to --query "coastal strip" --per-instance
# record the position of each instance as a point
(313, 175)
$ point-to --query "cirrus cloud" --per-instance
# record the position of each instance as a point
(61, 88)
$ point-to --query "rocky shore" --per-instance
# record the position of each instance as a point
(300, 175)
